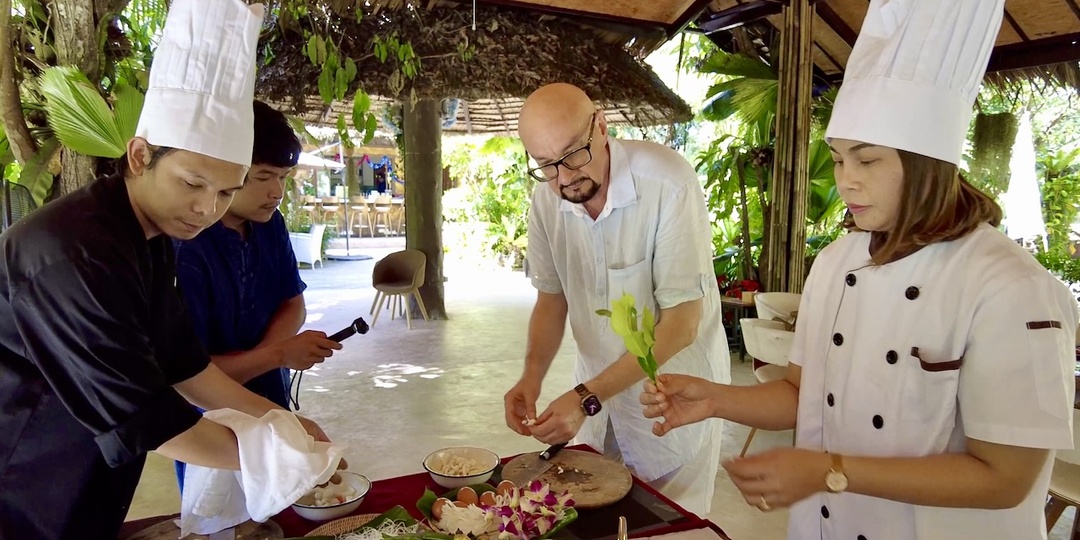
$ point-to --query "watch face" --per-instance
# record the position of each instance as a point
(591, 405)
(836, 481)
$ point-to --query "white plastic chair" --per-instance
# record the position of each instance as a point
(1065, 482)
(777, 305)
(308, 246)
(769, 343)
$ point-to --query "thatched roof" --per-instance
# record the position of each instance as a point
(513, 51)
(1039, 38)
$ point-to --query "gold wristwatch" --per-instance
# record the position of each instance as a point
(836, 480)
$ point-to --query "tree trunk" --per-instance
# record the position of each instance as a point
(22, 143)
(422, 129)
(75, 23)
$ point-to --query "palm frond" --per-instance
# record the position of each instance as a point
(737, 65)
(79, 115)
(127, 106)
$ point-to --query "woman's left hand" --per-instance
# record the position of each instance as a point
(779, 478)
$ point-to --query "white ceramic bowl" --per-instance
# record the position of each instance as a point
(485, 459)
(358, 482)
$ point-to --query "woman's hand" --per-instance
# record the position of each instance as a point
(779, 478)
(679, 399)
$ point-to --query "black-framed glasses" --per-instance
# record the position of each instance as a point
(572, 160)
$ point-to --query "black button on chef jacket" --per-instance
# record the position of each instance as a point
(92, 336)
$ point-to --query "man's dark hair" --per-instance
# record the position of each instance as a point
(276, 143)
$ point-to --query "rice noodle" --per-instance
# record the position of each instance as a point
(388, 528)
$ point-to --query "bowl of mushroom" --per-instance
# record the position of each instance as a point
(460, 466)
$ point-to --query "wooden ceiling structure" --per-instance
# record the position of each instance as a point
(1036, 34)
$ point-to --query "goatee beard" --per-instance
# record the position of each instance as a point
(584, 193)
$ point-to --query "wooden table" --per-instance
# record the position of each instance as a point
(648, 513)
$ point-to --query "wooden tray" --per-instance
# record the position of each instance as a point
(167, 530)
(594, 481)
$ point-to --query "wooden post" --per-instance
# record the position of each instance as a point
(785, 267)
(422, 129)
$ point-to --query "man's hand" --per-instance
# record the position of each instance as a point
(679, 399)
(313, 429)
(561, 421)
(306, 349)
(520, 406)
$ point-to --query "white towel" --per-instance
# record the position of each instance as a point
(279, 463)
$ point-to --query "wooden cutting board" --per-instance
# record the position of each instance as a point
(167, 530)
(594, 481)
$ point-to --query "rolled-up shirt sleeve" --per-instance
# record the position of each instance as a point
(86, 325)
(681, 251)
(541, 263)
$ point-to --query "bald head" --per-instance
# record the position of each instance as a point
(554, 117)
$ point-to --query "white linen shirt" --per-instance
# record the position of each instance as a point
(652, 240)
(969, 338)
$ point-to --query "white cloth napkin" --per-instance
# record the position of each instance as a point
(279, 463)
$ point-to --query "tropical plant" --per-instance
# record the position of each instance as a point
(738, 167)
(1060, 194)
(493, 197)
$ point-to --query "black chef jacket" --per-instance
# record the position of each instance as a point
(92, 335)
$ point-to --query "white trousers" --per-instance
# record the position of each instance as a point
(693, 484)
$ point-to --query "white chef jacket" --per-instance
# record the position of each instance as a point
(969, 338)
(652, 240)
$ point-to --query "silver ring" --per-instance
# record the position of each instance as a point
(764, 506)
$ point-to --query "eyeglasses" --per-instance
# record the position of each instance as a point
(572, 160)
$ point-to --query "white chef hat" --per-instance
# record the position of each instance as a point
(202, 81)
(914, 73)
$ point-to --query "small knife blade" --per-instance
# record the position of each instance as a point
(542, 464)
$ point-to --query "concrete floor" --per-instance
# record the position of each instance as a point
(395, 395)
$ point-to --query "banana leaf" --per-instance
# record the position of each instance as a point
(397, 514)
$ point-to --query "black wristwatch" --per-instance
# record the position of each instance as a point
(589, 402)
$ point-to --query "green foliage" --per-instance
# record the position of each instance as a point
(993, 139)
(1061, 261)
(494, 195)
(1061, 195)
(81, 118)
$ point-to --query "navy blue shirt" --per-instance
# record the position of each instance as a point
(233, 286)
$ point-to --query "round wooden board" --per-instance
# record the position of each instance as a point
(594, 481)
(167, 530)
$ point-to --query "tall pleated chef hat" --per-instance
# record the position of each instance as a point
(202, 81)
(914, 74)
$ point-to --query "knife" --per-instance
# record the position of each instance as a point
(541, 464)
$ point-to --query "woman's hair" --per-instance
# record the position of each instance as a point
(936, 205)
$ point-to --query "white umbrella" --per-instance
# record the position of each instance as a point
(311, 161)
(1023, 200)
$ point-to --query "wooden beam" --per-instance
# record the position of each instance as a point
(739, 15)
(691, 14)
(1075, 8)
(623, 25)
(837, 23)
(1039, 52)
(1016, 26)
